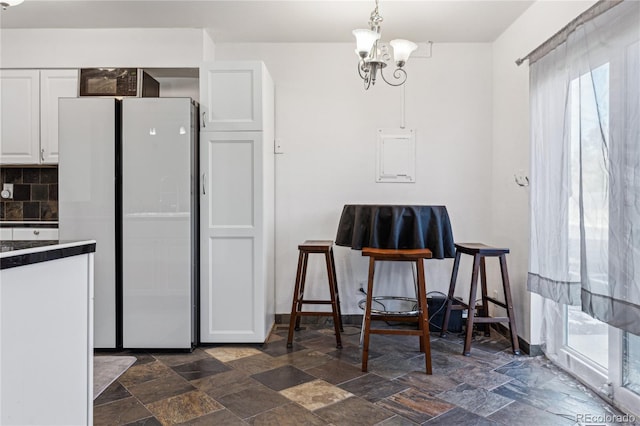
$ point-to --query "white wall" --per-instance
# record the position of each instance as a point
(511, 145)
(63, 48)
(328, 124)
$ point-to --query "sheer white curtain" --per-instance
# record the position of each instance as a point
(585, 169)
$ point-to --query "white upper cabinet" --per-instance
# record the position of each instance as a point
(54, 84)
(231, 96)
(19, 116)
(29, 115)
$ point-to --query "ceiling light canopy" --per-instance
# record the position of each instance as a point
(6, 3)
(374, 55)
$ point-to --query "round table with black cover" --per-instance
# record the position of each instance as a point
(393, 226)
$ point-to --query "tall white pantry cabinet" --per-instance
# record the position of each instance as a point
(237, 288)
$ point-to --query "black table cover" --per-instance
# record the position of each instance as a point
(396, 227)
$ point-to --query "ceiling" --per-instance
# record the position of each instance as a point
(279, 21)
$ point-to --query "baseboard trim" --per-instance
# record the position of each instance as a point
(526, 347)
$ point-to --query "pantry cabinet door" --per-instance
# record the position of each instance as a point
(231, 96)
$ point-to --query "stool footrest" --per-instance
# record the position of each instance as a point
(316, 302)
(395, 318)
(311, 314)
(395, 331)
(497, 302)
(477, 320)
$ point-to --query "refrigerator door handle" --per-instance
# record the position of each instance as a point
(204, 122)
(204, 179)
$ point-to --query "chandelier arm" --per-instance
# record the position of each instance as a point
(399, 74)
(361, 68)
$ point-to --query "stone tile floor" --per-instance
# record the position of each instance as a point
(314, 383)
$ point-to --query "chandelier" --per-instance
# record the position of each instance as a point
(374, 56)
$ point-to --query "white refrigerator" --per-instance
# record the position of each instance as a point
(134, 190)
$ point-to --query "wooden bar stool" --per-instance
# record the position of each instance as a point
(323, 247)
(409, 255)
(479, 251)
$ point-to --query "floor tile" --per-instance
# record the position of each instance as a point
(395, 365)
(335, 371)
(164, 387)
(305, 359)
(373, 387)
(257, 363)
(253, 401)
(321, 343)
(225, 383)
(396, 421)
(143, 373)
(201, 368)
(283, 377)
(183, 407)
(528, 370)
(353, 411)
(119, 412)
(287, 415)
(477, 400)
(113, 392)
(148, 421)
(315, 394)
(445, 364)
(494, 344)
(516, 411)
(533, 396)
(172, 359)
(415, 405)
(280, 348)
(460, 416)
(352, 354)
(480, 378)
(219, 417)
(431, 384)
(231, 353)
(274, 337)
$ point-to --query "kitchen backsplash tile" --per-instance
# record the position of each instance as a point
(35, 193)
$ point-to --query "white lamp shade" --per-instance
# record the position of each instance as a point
(402, 50)
(365, 40)
(8, 3)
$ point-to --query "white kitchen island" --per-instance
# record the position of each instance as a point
(46, 332)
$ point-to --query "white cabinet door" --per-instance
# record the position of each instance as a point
(234, 286)
(231, 96)
(19, 116)
(54, 84)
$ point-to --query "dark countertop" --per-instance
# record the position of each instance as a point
(6, 246)
(21, 253)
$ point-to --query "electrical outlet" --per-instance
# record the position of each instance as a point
(7, 191)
